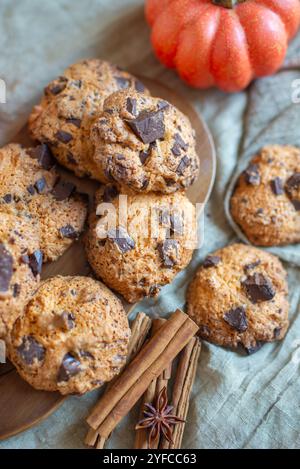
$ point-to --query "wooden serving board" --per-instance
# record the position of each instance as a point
(21, 405)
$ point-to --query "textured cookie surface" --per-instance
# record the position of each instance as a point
(239, 297)
(69, 106)
(72, 337)
(266, 201)
(138, 259)
(20, 267)
(30, 184)
(144, 143)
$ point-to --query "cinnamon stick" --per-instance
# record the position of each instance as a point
(141, 437)
(183, 384)
(148, 364)
(139, 330)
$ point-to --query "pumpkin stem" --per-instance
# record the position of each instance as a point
(227, 3)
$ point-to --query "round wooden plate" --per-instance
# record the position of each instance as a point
(21, 405)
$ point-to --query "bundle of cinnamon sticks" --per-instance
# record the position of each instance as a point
(148, 371)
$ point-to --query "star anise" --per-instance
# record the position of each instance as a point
(158, 419)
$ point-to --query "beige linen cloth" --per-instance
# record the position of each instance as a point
(237, 402)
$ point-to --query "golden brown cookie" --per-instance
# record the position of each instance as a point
(72, 337)
(20, 267)
(138, 259)
(69, 106)
(239, 298)
(145, 144)
(266, 200)
(30, 184)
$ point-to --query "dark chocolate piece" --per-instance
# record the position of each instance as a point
(122, 239)
(237, 318)
(70, 367)
(31, 350)
(6, 268)
(258, 288)
(148, 126)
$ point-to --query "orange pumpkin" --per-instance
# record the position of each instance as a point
(225, 43)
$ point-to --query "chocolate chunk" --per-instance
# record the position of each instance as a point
(176, 150)
(293, 182)
(179, 145)
(172, 220)
(176, 223)
(110, 193)
(44, 156)
(131, 106)
(144, 155)
(63, 190)
(258, 288)
(67, 320)
(237, 318)
(292, 188)
(74, 121)
(70, 367)
(211, 261)
(7, 198)
(162, 104)
(252, 175)
(148, 126)
(122, 82)
(57, 87)
(254, 348)
(31, 350)
(259, 211)
(16, 290)
(31, 190)
(277, 186)
(139, 86)
(64, 137)
(251, 266)
(40, 185)
(69, 232)
(168, 251)
(36, 262)
(6, 268)
(277, 332)
(184, 163)
(122, 239)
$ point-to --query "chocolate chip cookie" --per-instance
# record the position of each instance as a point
(266, 200)
(70, 103)
(138, 254)
(20, 267)
(239, 298)
(72, 337)
(144, 143)
(29, 183)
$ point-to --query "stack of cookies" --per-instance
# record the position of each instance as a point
(140, 147)
(71, 333)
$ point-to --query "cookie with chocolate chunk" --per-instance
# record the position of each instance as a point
(266, 200)
(144, 143)
(69, 106)
(30, 184)
(139, 254)
(239, 298)
(72, 337)
(20, 267)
